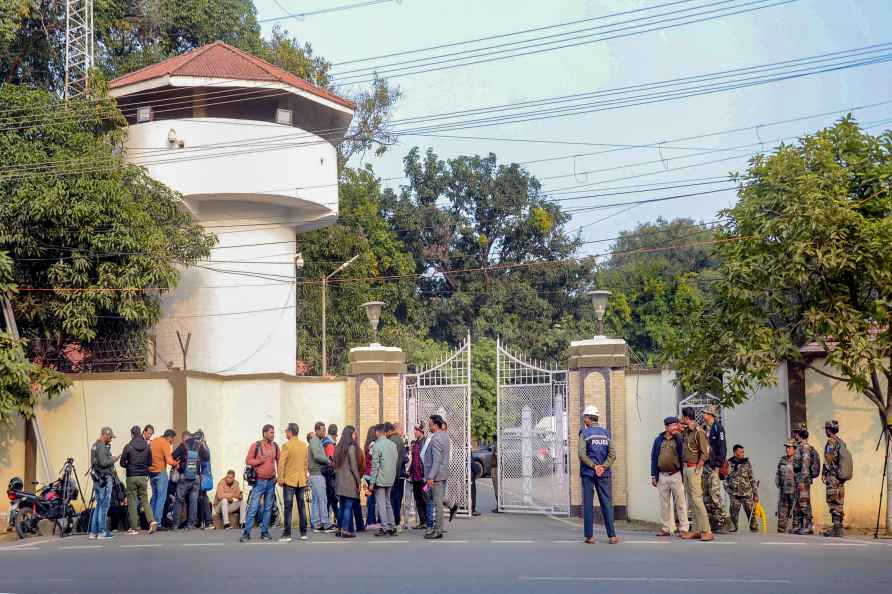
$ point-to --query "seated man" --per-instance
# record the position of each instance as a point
(229, 494)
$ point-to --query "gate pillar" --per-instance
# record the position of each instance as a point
(374, 387)
(597, 376)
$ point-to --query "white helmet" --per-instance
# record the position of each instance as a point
(590, 411)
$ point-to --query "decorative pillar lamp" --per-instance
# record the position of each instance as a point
(373, 312)
(599, 303)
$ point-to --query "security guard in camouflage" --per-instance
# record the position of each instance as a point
(785, 481)
(836, 493)
(742, 488)
(802, 514)
(712, 484)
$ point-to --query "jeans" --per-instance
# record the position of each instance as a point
(357, 516)
(319, 515)
(290, 494)
(429, 508)
(159, 495)
(602, 486)
(371, 513)
(396, 500)
(420, 502)
(347, 520)
(265, 488)
(385, 508)
(186, 488)
(138, 494)
(102, 493)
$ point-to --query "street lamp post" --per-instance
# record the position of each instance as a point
(324, 300)
(599, 303)
(373, 313)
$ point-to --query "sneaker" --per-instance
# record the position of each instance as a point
(318, 530)
(381, 533)
(285, 538)
(348, 535)
(104, 537)
(226, 526)
(132, 532)
(590, 541)
(245, 538)
(266, 537)
(210, 527)
(153, 527)
(394, 532)
(330, 529)
(92, 536)
(433, 536)
(303, 537)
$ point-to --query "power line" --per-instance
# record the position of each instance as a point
(553, 42)
(302, 15)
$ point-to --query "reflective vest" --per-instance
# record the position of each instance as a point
(597, 446)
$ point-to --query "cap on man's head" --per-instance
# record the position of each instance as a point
(590, 411)
(670, 421)
(108, 431)
(833, 424)
(711, 409)
(801, 427)
(789, 444)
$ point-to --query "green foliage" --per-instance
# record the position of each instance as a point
(645, 278)
(806, 260)
(21, 381)
(360, 231)
(483, 388)
(101, 225)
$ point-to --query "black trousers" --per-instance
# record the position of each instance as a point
(290, 494)
(420, 502)
(396, 500)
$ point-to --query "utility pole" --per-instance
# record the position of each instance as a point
(79, 46)
(324, 300)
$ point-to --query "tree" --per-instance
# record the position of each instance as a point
(21, 381)
(491, 250)
(804, 260)
(360, 231)
(645, 277)
(89, 234)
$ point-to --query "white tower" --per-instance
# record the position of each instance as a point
(251, 148)
(79, 46)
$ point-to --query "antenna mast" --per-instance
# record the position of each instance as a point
(79, 46)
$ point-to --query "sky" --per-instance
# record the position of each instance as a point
(797, 29)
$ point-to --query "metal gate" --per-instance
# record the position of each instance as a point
(531, 424)
(699, 402)
(445, 390)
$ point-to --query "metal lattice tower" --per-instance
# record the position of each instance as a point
(79, 46)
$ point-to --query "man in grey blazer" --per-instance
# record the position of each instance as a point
(435, 457)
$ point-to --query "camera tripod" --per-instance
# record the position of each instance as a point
(68, 472)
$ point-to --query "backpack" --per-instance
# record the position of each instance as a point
(814, 467)
(207, 477)
(190, 471)
(845, 462)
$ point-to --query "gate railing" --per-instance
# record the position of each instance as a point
(531, 424)
(445, 389)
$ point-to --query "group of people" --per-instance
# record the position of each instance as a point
(689, 465)
(328, 472)
(338, 472)
(179, 478)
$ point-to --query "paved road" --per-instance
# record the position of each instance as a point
(520, 554)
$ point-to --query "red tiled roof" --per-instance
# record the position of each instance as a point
(220, 60)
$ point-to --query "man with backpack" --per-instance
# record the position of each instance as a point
(189, 455)
(806, 467)
(837, 470)
(319, 465)
(261, 461)
(136, 459)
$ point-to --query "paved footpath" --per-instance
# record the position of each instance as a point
(491, 553)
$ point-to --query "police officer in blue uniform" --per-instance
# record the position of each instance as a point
(596, 455)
